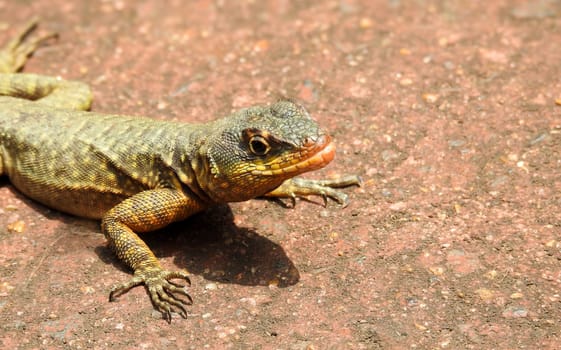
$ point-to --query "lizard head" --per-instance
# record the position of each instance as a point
(256, 149)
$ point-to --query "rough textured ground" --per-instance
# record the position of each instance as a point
(450, 110)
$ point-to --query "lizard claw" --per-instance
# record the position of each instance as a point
(293, 200)
(163, 292)
(324, 197)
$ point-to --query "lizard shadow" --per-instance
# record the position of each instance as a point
(209, 244)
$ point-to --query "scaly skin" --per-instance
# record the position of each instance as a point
(138, 174)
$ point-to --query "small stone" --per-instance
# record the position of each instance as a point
(87, 290)
(456, 143)
(430, 98)
(17, 226)
(386, 193)
(211, 286)
(407, 268)
(161, 105)
(398, 206)
(485, 294)
(541, 137)
(406, 82)
(261, 46)
(437, 270)
(517, 295)
(449, 65)
(5, 287)
(515, 312)
(404, 52)
(493, 56)
(365, 23)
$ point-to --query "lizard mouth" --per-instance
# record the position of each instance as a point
(315, 156)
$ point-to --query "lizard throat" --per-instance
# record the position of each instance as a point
(318, 160)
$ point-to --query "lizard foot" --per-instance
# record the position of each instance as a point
(160, 288)
(16, 52)
(297, 187)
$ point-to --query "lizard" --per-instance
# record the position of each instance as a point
(137, 174)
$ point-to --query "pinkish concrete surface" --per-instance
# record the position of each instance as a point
(450, 110)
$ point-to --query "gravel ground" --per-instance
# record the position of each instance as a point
(449, 110)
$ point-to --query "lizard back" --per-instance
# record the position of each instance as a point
(85, 163)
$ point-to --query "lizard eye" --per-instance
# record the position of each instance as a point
(258, 145)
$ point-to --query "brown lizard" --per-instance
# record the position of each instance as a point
(138, 174)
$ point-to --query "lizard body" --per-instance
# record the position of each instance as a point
(138, 174)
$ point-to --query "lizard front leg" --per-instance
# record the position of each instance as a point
(297, 187)
(147, 211)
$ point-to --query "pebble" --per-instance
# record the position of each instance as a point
(161, 105)
(404, 52)
(398, 206)
(386, 193)
(5, 287)
(406, 82)
(437, 270)
(517, 295)
(17, 226)
(430, 98)
(515, 312)
(261, 46)
(485, 294)
(456, 143)
(211, 286)
(491, 274)
(87, 290)
(540, 137)
(449, 65)
(365, 23)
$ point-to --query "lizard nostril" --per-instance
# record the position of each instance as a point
(322, 140)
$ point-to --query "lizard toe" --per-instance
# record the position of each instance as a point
(164, 292)
(166, 295)
(166, 302)
(122, 288)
